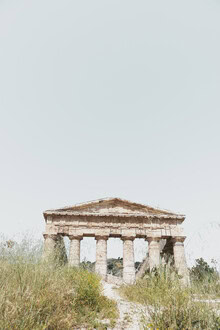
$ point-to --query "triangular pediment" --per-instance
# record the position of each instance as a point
(113, 207)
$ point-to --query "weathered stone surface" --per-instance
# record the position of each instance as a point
(101, 256)
(114, 217)
(128, 260)
(54, 248)
(154, 251)
(180, 259)
(49, 246)
(74, 254)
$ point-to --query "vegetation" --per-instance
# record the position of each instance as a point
(114, 266)
(51, 295)
(169, 304)
(36, 295)
(205, 280)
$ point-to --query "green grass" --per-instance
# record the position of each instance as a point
(207, 288)
(36, 295)
(169, 304)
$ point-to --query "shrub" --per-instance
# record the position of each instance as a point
(202, 271)
(205, 280)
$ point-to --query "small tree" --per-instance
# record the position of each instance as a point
(202, 271)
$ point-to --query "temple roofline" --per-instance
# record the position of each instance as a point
(77, 210)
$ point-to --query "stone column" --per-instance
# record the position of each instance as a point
(154, 251)
(60, 248)
(49, 246)
(180, 259)
(101, 256)
(128, 260)
(74, 252)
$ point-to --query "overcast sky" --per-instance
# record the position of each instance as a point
(111, 98)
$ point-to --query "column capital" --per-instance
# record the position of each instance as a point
(53, 236)
(128, 238)
(178, 239)
(104, 237)
(78, 237)
(153, 239)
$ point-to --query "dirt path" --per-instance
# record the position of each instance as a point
(130, 314)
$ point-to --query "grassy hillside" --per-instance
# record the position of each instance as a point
(171, 306)
(36, 295)
(51, 295)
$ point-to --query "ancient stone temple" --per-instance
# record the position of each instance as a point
(114, 217)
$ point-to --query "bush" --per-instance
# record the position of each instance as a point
(202, 271)
(205, 280)
(36, 295)
(115, 266)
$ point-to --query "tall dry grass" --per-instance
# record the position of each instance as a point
(169, 304)
(37, 295)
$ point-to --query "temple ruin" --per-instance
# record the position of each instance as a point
(114, 217)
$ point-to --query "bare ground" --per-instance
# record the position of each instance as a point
(130, 314)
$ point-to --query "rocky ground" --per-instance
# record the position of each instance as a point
(130, 314)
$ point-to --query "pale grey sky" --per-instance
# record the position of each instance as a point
(111, 98)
